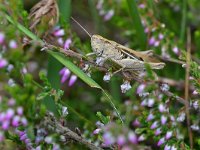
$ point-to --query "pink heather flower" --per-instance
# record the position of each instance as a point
(5, 125)
(16, 121)
(109, 15)
(13, 44)
(157, 43)
(3, 63)
(38, 148)
(152, 41)
(146, 30)
(24, 121)
(60, 41)
(142, 6)
(27, 141)
(181, 117)
(11, 102)
(140, 88)
(2, 116)
(67, 43)
(144, 102)
(162, 108)
(158, 131)
(136, 123)
(141, 138)
(121, 140)
(72, 80)
(65, 74)
(175, 50)
(108, 138)
(168, 135)
(195, 92)
(161, 141)
(2, 37)
(132, 137)
(24, 70)
(150, 102)
(1, 136)
(99, 4)
(160, 36)
(23, 137)
(163, 119)
(9, 114)
(150, 117)
(154, 125)
(172, 118)
(20, 111)
(99, 124)
(59, 32)
(96, 131)
(167, 147)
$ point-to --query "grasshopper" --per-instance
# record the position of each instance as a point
(126, 59)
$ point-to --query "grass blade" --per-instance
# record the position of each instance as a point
(137, 23)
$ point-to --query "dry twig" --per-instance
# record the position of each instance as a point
(51, 122)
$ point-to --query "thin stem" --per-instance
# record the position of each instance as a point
(188, 57)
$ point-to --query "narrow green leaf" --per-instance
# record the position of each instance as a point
(137, 23)
(74, 69)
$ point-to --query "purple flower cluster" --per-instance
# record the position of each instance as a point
(115, 134)
(24, 138)
(11, 118)
(65, 74)
(59, 33)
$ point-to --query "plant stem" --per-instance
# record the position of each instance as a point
(187, 86)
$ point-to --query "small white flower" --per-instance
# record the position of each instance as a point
(195, 104)
(125, 86)
(151, 102)
(99, 61)
(173, 148)
(107, 77)
(195, 127)
(167, 147)
(168, 135)
(11, 82)
(142, 137)
(164, 87)
(181, 117)
(64, 111)
(163, 119)
(48, 139)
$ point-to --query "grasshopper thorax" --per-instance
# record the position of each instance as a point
(97, 43)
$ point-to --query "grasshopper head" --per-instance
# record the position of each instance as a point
(97, 42)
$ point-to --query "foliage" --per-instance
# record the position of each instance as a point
(58, 77)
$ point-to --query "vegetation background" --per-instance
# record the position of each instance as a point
(161, 114)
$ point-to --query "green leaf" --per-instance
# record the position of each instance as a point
(104, 119)
(67, 63)
(137, 23)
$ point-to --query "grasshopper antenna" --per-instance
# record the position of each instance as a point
(81, 26)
